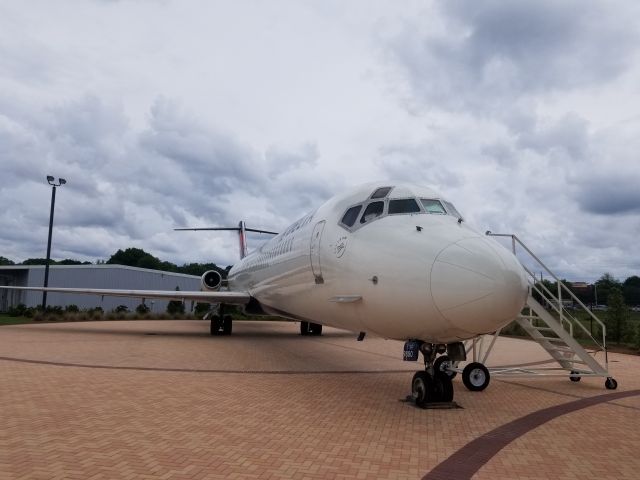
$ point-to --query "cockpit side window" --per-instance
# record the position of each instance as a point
(451, 209)
(373, 210)
(351, 215)
(405, 205)
(433, 206)
(381, 192)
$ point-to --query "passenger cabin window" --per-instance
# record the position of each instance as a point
(405, 205)
(373, 210)
(433, 206)
(381, 192)
(351, 215)
(452, 210)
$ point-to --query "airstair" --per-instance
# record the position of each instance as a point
(552, 320)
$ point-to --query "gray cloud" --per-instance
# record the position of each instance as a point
(491, 54)
(610, 194)
(569, 135)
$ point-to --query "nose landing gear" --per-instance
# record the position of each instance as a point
(434, 384)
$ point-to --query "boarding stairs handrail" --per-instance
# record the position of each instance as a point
(555, 302)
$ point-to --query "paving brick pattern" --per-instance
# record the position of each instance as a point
(218, 422)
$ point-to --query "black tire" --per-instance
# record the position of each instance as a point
(304, 328)
(476, 377)
(574, 376)
(216, 325)
(610, 383)
(442, 388)
(440, 364)
(315, 329)
(422, 388)
(227, 325)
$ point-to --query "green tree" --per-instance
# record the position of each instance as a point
(631, 290)
(6, 261)
(135, 257)
(37, 261)
(604, 285)
(618, 322)
(200, 268)
(70, 261)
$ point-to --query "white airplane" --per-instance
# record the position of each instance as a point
(391, 259)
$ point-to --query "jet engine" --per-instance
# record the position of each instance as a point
(211, 280)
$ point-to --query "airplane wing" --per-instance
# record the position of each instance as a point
(230, 298)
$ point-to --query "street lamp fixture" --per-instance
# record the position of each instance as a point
(51, 181)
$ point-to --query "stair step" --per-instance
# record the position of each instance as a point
(559, 349)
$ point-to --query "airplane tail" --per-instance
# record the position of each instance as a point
(242, 234)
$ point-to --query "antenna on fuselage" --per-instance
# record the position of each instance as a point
(242, 234)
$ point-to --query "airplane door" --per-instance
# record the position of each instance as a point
(316, 237)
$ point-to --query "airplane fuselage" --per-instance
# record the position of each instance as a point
(399, 263)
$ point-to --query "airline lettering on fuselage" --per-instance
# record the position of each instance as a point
(340, 246)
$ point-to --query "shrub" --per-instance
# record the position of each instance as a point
(17, 311)
(142, 309)
(175, 307)
(201, 309)
(54, 310)
(71, 309)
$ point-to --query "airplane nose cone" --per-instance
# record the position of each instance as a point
(476, 286)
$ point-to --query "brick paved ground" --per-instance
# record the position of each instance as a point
(188, 410)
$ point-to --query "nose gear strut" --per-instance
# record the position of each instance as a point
(434, 384)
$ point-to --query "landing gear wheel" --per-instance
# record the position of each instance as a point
(422, 388)
(216, 325)
(227, 325)
(441, 364)
(304, 328)
(442, 388)
(574, 376)
(475, 377)
(610, 383)
(315, 329)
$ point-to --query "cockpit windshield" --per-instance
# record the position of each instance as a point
(373, 210)
(433, 206)
(452, 210)
(405, 205)
(351, 215)
(379, 205)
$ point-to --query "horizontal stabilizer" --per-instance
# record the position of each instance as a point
(231, 229)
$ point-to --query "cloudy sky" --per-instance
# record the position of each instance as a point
(168, 113)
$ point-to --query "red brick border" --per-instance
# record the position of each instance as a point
(195, 370)
(466, 462)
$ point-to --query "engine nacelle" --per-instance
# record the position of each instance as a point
(211, 280)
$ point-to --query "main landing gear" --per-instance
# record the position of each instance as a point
(221, 324)
(434, 384)
(308, 328)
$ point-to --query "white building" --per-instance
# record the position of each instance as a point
(90, 276)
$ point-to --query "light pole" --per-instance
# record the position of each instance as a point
(54, 185)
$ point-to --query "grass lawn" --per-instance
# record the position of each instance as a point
(7, 320)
